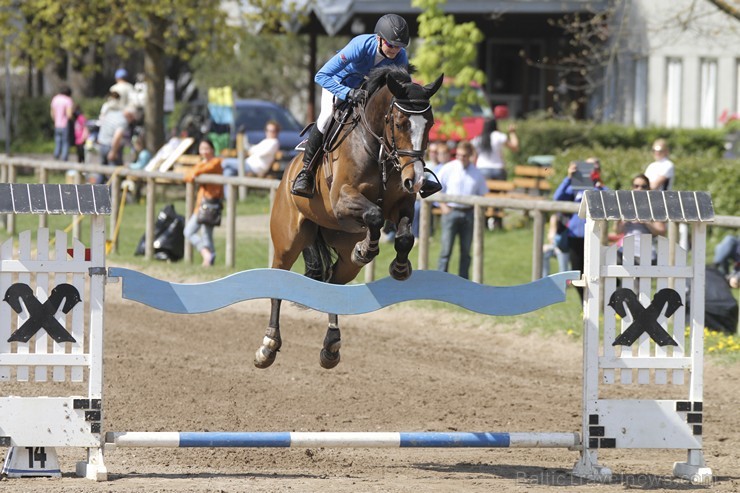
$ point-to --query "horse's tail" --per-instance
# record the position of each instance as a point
(319, 259)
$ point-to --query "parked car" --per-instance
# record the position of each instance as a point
(250, 117)
(472, 122)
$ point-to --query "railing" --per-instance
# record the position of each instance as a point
(536, 207)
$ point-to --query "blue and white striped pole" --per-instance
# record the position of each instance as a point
(342, 439)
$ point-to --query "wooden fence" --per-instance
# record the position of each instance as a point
(537, 208)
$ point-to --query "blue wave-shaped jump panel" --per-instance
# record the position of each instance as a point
(341, 300)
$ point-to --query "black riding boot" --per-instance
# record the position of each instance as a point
(304, 182)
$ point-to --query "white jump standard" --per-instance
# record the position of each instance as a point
(634, 334)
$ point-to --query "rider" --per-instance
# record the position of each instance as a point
(341, 78)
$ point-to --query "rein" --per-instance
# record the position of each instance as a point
(390, 153)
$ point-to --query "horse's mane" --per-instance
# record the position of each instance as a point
(378, 77)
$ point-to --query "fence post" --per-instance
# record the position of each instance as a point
(240, 164)
(150, 218)
(537, 244)
(189, 203)
(425, 227)
(115, 205)
(230, 226)
(76, 220)
(43, 178)
(478, 244)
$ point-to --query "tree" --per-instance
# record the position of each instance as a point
(451, 49)
(159, 29)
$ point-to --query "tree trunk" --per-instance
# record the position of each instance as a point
(154, 71)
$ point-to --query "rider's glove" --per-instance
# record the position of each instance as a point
(357, 95)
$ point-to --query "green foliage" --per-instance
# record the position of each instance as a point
(451, 49)
(625, 152)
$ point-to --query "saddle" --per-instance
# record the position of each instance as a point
(341, 115)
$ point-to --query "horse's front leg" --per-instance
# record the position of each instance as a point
(329, 357)
(400, 268)
(366, 250)
(271, 343)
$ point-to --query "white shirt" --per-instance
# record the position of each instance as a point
(457, 180)
(658, 169)
(262, 155)
(493, 158)
(124, 90)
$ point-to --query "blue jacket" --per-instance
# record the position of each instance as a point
(346, 69)
(565, 192)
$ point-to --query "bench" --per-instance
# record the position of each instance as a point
(533, 180)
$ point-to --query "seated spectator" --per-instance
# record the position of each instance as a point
(727, 259)
(260, 156)
(557, 244)
(143, 155)
(633, 228)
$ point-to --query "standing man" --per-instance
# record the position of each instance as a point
(123, 87)
(661, 171)
(113, 134)
(459, 177)
(62, 107)
(340, 79)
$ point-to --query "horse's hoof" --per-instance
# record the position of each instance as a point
(264, 357)
(398, 273)
(328, 360)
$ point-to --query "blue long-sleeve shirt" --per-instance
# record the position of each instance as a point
(346, 70)
(565, 192)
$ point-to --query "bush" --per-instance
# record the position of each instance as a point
(625, 152)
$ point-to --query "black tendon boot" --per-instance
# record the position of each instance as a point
(304, 182)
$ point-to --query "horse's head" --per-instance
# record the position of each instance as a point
(407, 123)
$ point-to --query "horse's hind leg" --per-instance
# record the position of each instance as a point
(271, 343)
(329, 357)
(400, 268)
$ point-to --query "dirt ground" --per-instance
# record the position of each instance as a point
(402, 369)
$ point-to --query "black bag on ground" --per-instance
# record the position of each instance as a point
(209, 212)
(169, 242)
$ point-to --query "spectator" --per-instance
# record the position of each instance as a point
(340, 79)
(123, 87)
(112, 102)
(661, 171)
(80, 132)
(490, 145)
(261, 155)
(631, 228)
(143, 155)
(459, 177)
(727, 259)
(576, 224)
(443, 156)
(558, 244)
(61, 109)
(138, 95)
(114, 131)
(209, 164)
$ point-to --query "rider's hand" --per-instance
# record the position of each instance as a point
(357, 95)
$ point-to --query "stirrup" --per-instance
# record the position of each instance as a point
(429, 187)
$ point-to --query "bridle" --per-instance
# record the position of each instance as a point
(389, 153)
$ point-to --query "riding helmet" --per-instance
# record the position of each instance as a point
(393, 29)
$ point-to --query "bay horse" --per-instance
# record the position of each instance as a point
(371, 175)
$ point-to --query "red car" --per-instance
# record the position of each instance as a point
(472, 122)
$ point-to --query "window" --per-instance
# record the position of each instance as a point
(708, 93)
(737, 86)
(674, 74)
(639, 105)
